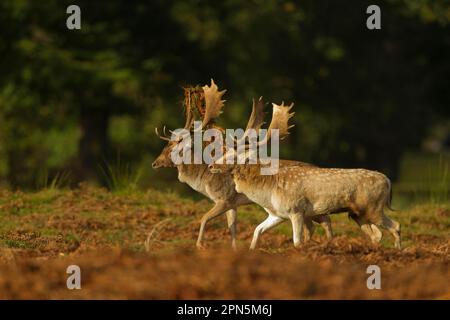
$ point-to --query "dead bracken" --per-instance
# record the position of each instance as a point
(56, 230)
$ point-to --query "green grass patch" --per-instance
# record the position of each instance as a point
(17, 244)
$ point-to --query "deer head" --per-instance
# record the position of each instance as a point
(212, 109)
(164, 159)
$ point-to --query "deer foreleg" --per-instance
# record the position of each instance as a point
(270, 222)
(218, 209)
(231, 220)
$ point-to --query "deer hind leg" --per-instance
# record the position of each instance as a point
(218, 209)
(378, 217)
(325, 222)
(394, 228)
(231, 221)
(297, 221)
(270, 222)
(371, 230)
(308, 229)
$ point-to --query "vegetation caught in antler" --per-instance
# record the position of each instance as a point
(194, 104)
(202, 103)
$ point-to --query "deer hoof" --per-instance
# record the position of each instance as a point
(200, 246)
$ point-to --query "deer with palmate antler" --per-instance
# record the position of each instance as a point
(220, 188)
(299, 193)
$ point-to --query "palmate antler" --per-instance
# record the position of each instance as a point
(256, 119)
(213, 103)
(280, 120)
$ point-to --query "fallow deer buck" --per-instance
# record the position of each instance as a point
(220, 188)
(298, 193)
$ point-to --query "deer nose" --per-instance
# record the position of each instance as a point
(154, 164)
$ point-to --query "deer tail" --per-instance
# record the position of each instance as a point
(389, 199)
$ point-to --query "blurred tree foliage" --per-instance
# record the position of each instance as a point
(74, 99)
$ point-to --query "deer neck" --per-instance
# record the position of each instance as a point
(192, 175)
(256, 187)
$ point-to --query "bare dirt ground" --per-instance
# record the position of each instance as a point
(42, 233)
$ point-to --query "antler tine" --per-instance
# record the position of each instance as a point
(189, 121)
(280, 121)
(213, 103)
(256, 119)
(160, 136)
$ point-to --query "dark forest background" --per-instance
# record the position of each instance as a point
(74, 102)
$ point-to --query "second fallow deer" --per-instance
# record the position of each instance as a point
(300, 193)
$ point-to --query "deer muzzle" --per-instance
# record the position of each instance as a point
(156, 164)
